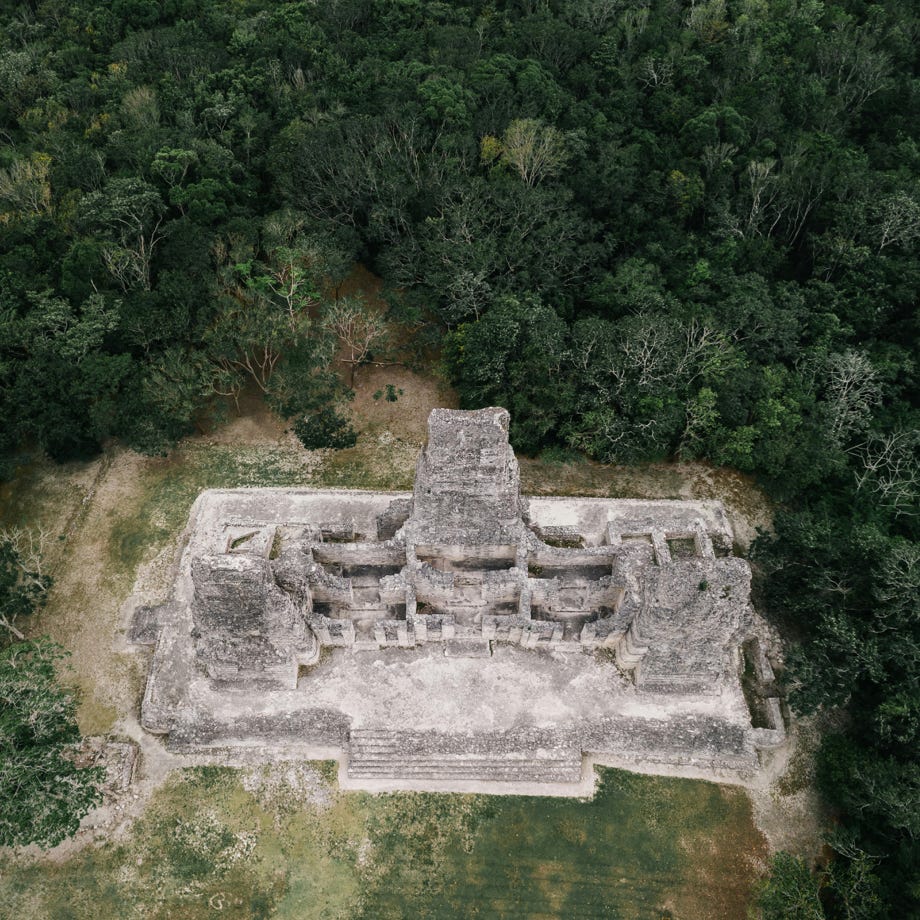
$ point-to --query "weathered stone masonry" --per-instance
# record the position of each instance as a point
(464, 567)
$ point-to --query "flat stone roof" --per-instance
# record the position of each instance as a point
(422, 688)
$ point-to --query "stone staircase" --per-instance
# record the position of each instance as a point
(379, 754)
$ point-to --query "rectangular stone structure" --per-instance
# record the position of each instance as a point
(586, 626)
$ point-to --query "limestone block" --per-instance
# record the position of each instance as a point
(693, 614)
(467, 483)
(662, 551)
(391, 521)
(246, 627)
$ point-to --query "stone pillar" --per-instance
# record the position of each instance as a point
(662, 551)
(703, 541)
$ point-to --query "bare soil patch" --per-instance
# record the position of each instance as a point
(82, 612)
(407, 415)
(253, 423)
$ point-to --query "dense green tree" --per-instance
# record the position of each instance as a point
(514, 356)
(44, 793)
(791, 893)
(732, 166)
(847, 581)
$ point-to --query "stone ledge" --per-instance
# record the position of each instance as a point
(467, 648)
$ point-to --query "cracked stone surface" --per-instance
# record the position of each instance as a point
(461, 636)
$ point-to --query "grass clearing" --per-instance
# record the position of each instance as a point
(747, 506)
(207, 844)
(167, 489)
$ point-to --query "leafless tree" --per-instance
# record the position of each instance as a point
(132, 213)
(534, 150)
(897, 220)
(130, 267)
(851, 391)
(655, 70)
(891, 470)
(897, 587)
(763, 190)
(803, 184)
(655, 351)
(596, 14)
(358, 328)
(632, 24)
(608, 433)
(25, 187)
(853, 66)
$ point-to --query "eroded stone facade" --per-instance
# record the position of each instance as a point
(628, 618)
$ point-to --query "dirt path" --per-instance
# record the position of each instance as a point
(83, 607)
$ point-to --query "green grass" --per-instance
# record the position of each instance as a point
(644, 847)
(579, 476)
(378, 461)
(169, 487)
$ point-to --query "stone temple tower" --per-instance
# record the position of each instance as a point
(467, 484)
(401, 585)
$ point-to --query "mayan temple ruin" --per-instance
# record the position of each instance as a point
(462, 636)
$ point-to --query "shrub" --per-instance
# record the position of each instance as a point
(325, 428)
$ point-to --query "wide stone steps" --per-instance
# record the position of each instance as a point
(375, 754)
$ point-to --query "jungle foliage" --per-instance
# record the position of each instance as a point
(44, 792)
(650, 228)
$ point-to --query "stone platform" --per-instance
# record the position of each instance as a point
(460, 637)
(521, 721)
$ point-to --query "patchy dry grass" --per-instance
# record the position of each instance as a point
(210, 842)
(747, 506)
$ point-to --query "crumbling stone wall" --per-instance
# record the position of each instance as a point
(467, 482)
(462, 559)
(245, 625)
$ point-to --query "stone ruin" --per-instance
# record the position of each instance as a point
(462, 636)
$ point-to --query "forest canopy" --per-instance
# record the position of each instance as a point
(704, 217)
(652, 229)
